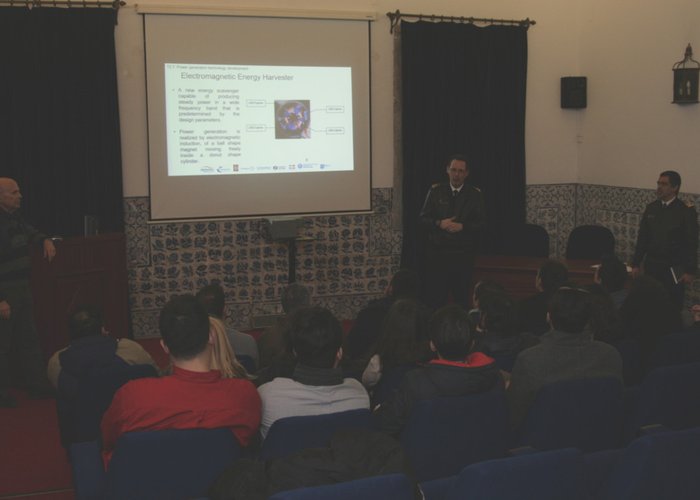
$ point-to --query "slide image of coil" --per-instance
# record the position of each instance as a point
(292, 119)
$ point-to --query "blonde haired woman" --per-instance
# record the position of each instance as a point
(223, 358)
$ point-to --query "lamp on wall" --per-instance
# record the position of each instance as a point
(685, 79)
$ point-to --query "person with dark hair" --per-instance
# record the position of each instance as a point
(457, 371)
(87, 373)
(194, 396)
(316, 386)
(367, 327)
(498, 335)
(18, 335)
(612, 276)
(483, 290)
(212, 297)
(667, 242)
(606, 323)
(532, 311)
(92, 348)
(454, 216)
(566, 352)
(402, 345)
(276, 358)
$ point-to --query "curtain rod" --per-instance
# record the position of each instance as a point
(395, 17)
(30, 4)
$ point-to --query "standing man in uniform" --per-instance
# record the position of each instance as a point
(17, 331)
(453, 215)
(667, 243)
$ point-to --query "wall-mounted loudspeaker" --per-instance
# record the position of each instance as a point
(573, 92)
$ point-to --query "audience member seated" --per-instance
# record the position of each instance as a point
(497, 335)
(276, 357)
(223, 358)
(455, 372)
(612, 276)
(648, 313)
(606, 322)
(482, 289)
(194, 396)
(91, 348)
(532, 311)
(88, 372)
(212, 297)
(566, 352)
(402, 345)
(316, 385)
(367, 327)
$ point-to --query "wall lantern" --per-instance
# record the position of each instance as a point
(685, 79)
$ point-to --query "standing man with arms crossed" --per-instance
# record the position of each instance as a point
(453, 215)
(667, 242)
(16, 307)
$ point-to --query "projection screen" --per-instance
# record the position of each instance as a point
(253, 116)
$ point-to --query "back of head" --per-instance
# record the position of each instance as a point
(212, 298)
(315, 336)
(612, 273)
(570, 310)
(404, 284)
(294, 297)
(498, 314)
(402, 340)
(450, 332)
(223, 358)
(184, 326)
(85, 321)
(552, 275)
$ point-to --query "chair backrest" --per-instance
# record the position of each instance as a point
(169, 464)
(669, 395)
(393, 486)
(80, 414)
(550, 475)
(247, 362)
(677, 349)
(660, 466)
(590, 242)
(443, 435)
(531, 240)
(587, 414)
(291, 434)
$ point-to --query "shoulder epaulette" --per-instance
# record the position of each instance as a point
(689, 204)
(435, 185)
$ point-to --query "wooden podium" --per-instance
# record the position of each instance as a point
(86, 270)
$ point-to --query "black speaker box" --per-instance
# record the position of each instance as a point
(573, 92)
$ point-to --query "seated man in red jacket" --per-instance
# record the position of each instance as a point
(194, 396)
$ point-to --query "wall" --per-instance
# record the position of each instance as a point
(583, 166)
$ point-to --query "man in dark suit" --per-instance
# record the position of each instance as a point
(667, 242)
(453, 215)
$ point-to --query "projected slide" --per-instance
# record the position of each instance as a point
(233, 120)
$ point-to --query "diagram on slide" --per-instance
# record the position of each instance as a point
(233, 120)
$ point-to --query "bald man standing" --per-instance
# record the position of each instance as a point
(17, 331)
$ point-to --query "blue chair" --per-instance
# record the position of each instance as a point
(677, 349)
(590, 242)
(172, 464)
(247, 362)
(443, 435)
(81, 402)
(669, 396)
(394, 487)
(587, 414)
(551, 475)
(660, 466)
(292, 434)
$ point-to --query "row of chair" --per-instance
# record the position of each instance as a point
(661, 466)
(442, 435)
(585, 242)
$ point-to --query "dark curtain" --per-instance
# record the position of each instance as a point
(463, 91)
(59, 116)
